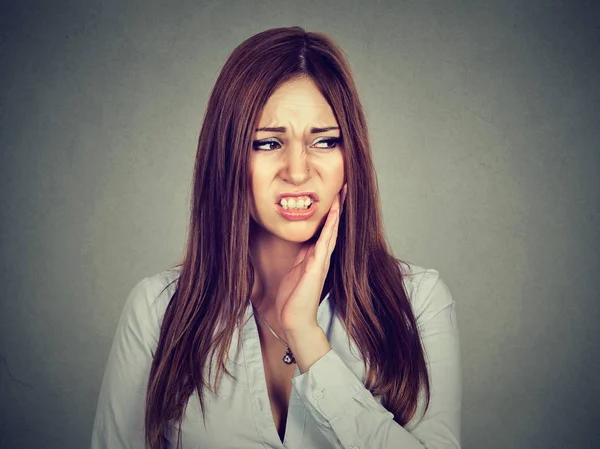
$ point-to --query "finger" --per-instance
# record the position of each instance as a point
(322, 245)
(337, 202)
(344, 194)
(330, 247)
(333, 237)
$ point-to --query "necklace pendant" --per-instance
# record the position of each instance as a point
(288, 358)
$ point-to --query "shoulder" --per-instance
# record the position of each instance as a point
(427, 291)
(146, 304)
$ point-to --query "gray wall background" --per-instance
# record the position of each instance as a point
(484, 124)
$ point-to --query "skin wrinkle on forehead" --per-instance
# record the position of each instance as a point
(297, 108)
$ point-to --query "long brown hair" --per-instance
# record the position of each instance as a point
(216, 274)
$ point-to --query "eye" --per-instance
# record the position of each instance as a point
(265, 144)
(331, 142)
(274, 144)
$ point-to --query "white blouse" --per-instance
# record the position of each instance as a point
(329, 406)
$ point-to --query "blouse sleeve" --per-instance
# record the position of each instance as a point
(349, 416)
(119, 422)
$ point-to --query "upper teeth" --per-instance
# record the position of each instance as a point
(301, 202)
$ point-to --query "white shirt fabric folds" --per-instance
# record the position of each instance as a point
(329, 406)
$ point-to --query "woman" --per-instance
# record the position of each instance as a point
(289, 323)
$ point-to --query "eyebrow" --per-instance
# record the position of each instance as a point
(283, 129)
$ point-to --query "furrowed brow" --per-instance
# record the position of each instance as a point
(283, 129)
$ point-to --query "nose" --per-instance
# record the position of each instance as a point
(296, 169)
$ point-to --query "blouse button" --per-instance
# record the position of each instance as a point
(318, 394)
(259, 404)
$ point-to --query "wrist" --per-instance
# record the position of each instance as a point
(303, 332)
(308, 346)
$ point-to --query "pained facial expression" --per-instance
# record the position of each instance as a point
(299, 157)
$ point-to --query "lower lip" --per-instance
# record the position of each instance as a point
(296, 215)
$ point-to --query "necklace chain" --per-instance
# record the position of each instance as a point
(288, 358)
(272, 331)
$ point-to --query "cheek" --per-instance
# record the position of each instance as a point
(253, 186)
(258, 188)
(334, 169)
(341, 172)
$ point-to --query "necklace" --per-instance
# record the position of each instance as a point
(288, 358)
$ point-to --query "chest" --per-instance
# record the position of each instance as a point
(250, 410)
(278, 376)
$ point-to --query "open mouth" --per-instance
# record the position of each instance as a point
(297, 209)
(296, 203)
(296, 213)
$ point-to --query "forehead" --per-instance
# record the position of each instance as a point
(297, 102)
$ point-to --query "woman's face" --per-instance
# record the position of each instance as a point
(299, 154)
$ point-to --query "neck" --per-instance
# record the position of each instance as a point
(272, 258)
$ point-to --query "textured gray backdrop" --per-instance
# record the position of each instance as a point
(484, 123)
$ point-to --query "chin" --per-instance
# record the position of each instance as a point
(298, 236)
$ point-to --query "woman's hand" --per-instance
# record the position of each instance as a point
(298, 296)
